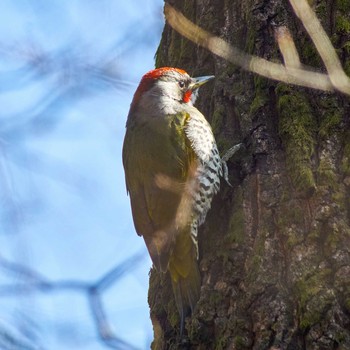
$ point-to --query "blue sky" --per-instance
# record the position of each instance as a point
(68, 70)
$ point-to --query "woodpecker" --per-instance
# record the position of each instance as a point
(172, 171)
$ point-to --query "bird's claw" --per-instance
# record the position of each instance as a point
(228, 154)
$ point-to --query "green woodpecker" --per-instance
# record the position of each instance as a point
(172, 170)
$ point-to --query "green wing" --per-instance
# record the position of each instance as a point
(158, 159)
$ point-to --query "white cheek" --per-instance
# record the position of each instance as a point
(194, 96)
(164, 97)
(169, 89)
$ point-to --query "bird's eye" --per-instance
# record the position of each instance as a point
(182, 84)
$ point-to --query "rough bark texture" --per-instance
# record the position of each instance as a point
(275, 248)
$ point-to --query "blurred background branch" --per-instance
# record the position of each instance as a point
(33, 282)
(336, 78)
(67, 75)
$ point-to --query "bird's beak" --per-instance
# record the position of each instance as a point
(199, 81)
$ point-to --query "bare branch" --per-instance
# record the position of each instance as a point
(323, 45)
(287, 47)
(104, 329)
(23, 272)
(35, 282)
(290, 75)
(118, 271)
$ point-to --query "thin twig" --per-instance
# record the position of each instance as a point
(276, 71)
(104, 328)
(323, 45)
(287, 47)
(117, 272)
(35, 282)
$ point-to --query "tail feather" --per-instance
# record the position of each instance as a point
(186, 292)
(185, 276)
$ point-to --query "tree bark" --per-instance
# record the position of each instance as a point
(275, 247)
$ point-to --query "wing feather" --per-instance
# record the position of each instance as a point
(158, 158)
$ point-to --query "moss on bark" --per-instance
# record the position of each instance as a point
(274, 250)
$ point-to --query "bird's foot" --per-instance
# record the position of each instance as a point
(228, 154)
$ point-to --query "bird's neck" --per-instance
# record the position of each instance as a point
(159, 105)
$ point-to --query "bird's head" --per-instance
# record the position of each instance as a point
(167, 89)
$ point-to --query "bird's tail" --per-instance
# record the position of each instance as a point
(185, 277)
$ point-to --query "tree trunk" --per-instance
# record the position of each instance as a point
(275, 247)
